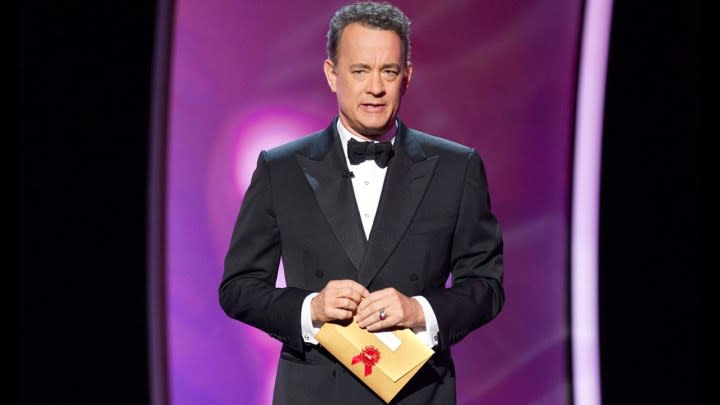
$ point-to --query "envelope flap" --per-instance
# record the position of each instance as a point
(396, 363)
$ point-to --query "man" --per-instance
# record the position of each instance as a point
(372, 239)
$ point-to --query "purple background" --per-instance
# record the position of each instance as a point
(495, 75)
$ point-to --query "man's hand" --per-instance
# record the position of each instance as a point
(339, 299)
(401, 310)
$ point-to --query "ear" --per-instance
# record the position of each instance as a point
(330, 75)
(406, 77)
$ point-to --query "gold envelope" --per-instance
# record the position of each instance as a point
(382, 369)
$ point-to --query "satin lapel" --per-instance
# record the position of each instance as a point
(324, 169)
(408, 176)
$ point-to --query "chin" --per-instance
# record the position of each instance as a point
(378, 127)
(374, 131)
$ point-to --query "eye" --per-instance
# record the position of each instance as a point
(390, 74)
(358, 72)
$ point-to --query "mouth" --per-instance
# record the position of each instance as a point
(372, 107)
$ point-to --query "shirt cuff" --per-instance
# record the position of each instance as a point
(308, 329)
(429, 334)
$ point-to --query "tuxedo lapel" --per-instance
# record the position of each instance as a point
(408, 176)
(324, 168)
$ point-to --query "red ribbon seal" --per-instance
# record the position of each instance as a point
(370, 355)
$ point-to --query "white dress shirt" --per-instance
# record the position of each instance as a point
(367, 181)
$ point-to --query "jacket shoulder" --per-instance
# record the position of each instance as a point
(303, 146)
(435, 145)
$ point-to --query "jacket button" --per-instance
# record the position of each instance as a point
(319, 273)
(414, 277)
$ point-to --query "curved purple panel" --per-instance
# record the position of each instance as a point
(498, 76)
(585, 212)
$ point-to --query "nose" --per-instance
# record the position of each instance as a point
(375, 85)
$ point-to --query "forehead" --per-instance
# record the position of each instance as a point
(359, 43)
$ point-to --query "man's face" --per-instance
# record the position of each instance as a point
(369, 78)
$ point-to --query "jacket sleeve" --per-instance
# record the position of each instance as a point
(476, 295)
(247, 291)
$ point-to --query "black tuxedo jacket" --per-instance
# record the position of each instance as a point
(433, 219)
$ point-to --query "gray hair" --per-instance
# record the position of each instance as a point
(370, 14)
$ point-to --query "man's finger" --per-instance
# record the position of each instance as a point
(346, 303)
(369, 314)
(350, 285)
(336, 313)
(352, 294)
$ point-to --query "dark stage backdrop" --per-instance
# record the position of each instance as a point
(85, 99)
(650, 243)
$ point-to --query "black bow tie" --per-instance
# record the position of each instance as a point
(380, 152)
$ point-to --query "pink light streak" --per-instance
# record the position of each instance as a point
(586, 186)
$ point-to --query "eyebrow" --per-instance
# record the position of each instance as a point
(365, 66)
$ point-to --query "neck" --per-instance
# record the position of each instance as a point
(384, 136)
